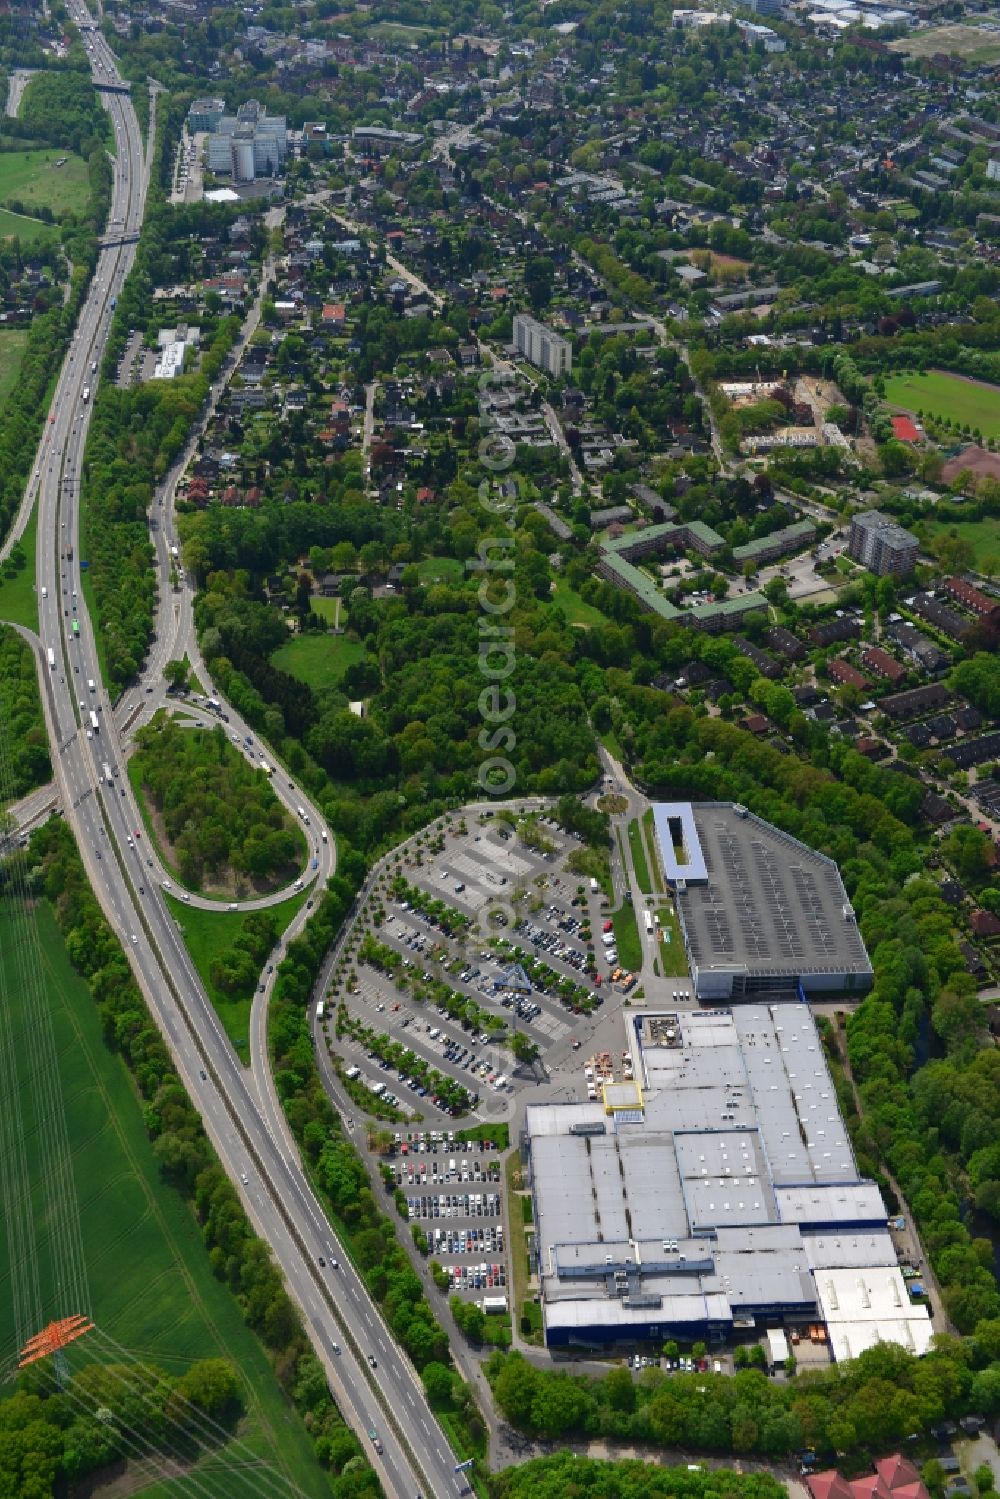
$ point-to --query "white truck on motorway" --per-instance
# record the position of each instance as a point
(50, 653)
(86, 392)
(109, 774)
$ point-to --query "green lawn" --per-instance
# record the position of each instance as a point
(983, 536)
(207, 933)
(649, 828)
(639, 857)
(440, 570)
(627, 938)
(18, 598)
(673, 958)
(29, 231)
(328, 609)
(151, 1284)
(943, 395)
(32, 178)
(576, 609)
(318, 660)
(12, 345)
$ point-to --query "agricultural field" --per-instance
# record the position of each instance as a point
(151, 1283)
(33, 179)
(950, 396)
(973, 43)
(318, 660)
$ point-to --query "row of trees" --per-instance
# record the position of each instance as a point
(589, 1478)
(855, 1409)
(185, 1154)
(334, 1163)
(219, 813)
(24, 759)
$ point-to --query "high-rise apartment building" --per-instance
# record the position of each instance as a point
(879, 544)
(540, 346)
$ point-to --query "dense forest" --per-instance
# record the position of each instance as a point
(49, 1436)
(24, 749)
(220, 815)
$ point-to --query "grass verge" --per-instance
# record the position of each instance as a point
(518, 1255)
(207, 935)
(654, 860)
(673, 958)
(639, 857)
(151, 1284)
(627, 938)
(18, 595)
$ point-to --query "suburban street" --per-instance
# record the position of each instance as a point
(374, 1385)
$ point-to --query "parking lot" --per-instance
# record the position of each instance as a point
(453, 1194)
(481, 935)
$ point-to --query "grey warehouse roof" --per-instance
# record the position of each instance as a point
(698, 1211)
(769, 906)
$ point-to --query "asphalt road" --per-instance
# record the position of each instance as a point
(343, 1324)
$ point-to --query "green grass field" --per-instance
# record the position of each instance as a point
(576, 609)
(982, 535)
(940, 394)
(32, 178)
(672, 957)
(328, 609)
(207, 933)
(440, 570)
(18, 597)
(12, 345)
(29, 231)
(151, 1284)
(318, 660)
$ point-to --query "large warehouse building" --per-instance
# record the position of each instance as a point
(759, 911)
(715, 1193)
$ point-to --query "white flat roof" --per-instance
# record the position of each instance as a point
(693, 869)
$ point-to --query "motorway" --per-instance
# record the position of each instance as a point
(373, 1383)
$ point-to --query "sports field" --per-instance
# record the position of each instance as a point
(939, 394)
(34, 179)
(151, 1283)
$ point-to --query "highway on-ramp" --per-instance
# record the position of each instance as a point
(374, 1384)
